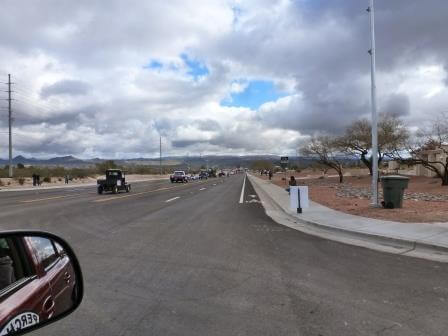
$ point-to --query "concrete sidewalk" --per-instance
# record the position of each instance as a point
(417, 239)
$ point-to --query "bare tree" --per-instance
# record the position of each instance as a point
(357, 139)
(429, 148)
(325, 150)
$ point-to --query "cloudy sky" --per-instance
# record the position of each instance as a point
(105, 78)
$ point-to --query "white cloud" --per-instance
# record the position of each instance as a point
(82, 87)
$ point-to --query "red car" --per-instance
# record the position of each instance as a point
(37, 282)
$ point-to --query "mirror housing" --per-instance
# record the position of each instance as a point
(40, 281)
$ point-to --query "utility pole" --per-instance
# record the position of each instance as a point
(372, 52)
(160, 155)
(10, 125)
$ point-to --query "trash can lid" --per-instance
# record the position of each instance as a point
(394, 177)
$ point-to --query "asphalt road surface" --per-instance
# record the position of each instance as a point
(189, 259)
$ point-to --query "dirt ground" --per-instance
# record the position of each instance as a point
(11, 183)
(416, 208)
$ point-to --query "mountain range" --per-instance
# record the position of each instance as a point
(70, 161)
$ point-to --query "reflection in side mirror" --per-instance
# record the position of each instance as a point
(40, 281)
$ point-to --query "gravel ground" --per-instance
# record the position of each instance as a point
(425, 201)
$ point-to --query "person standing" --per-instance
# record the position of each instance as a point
(292, 181)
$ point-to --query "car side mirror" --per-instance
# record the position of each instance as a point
(40, 281)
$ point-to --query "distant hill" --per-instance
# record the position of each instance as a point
(220, 161)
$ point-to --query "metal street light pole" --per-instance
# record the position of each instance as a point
(372, 51)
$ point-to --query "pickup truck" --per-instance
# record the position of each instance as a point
(115, 181)
(179, 176)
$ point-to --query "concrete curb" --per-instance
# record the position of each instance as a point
(395, 245)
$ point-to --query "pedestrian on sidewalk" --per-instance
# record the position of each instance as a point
(292, 183)
(66, 179)
(270, 174)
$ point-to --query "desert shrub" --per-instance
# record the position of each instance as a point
(21, 180)
(47, 179)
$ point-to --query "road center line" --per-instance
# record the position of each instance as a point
(202, 189)
(47, 199)
(130, 195)
(242, 190)
(172, 199)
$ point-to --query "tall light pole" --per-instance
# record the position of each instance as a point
(372, 52)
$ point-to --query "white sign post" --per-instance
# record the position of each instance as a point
(298, 198)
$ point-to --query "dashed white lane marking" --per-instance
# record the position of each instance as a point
(130, 195)
(202, 189)
(242, 191)
(172, 199)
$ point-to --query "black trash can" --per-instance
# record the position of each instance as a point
(393, 190)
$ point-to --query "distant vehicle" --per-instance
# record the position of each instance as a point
(211, 172)
(115, 181)
(194, 177)
(179, 176)
(203, 175)
(221, 174)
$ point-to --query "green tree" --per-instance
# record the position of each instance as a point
(103, 166)
(262, 165)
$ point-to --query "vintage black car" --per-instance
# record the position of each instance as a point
(115, 181)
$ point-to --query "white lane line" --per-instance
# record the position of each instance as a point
(242, 190)
(202, 189)
(172, 199)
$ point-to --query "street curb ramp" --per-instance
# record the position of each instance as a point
(394, 245)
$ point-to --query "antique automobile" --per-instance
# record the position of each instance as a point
(115, 181)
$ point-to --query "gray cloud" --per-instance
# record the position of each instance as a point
(186, 143)
(208, 125)
(397, 104)
(65, 87)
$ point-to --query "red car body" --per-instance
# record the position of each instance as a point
(44, 292)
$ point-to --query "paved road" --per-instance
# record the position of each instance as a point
(191, 260)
